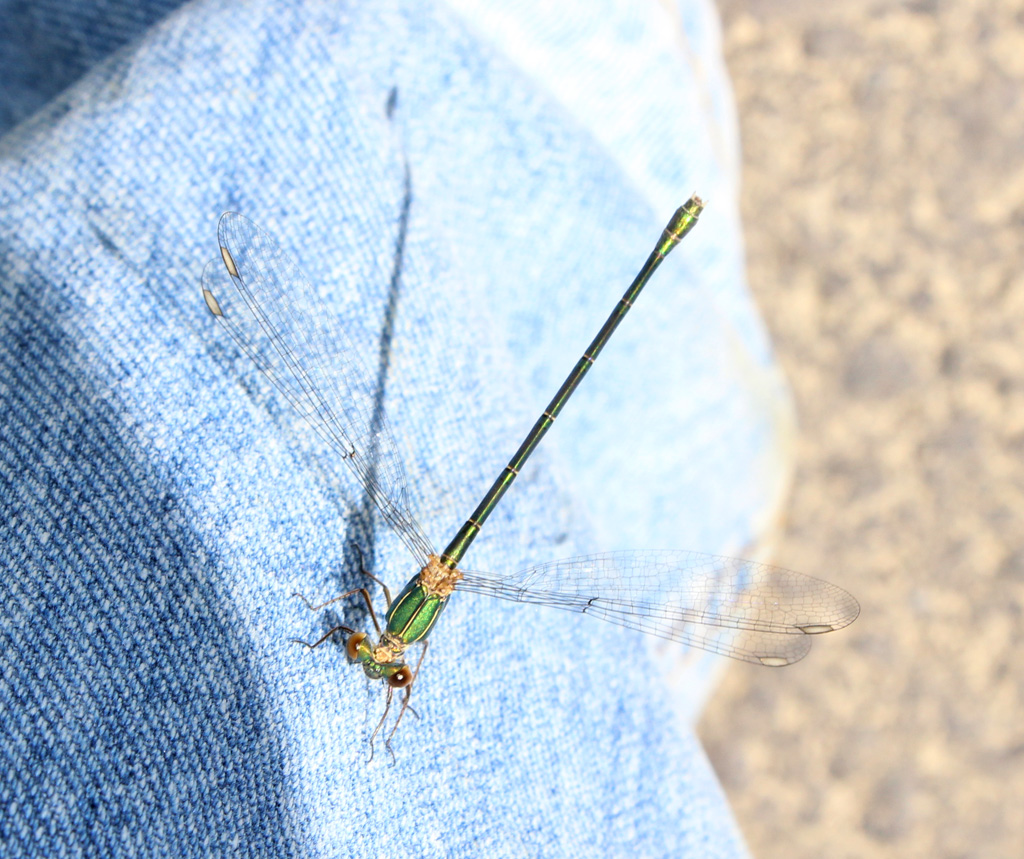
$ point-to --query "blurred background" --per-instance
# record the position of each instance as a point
(883, 203)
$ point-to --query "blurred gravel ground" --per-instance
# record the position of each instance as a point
(883, 200)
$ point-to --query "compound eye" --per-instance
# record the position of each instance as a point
(401, 678)
(352, 645)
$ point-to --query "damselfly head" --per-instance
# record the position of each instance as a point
(379, 663)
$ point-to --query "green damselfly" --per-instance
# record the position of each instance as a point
(743, 609)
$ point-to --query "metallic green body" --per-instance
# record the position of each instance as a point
(414, 612)
(411, 617)
(681, 223)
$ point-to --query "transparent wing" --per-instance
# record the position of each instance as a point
(742, 609)
(269, 308)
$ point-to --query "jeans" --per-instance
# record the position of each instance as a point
(478, 182)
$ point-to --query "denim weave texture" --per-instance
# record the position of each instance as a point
(471, 187)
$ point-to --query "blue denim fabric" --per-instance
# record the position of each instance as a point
(160, 503)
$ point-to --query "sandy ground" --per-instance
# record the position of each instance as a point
(883, 199)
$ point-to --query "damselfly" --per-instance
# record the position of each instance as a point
(746, 610)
